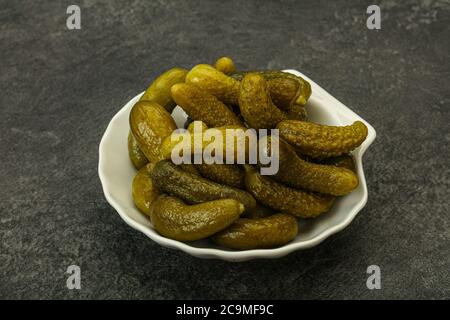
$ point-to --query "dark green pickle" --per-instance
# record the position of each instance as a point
(268, 232)
(192, 188)
(176, 220)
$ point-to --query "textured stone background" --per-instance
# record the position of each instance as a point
(60, 88)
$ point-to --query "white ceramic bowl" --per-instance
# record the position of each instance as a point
(116, 174)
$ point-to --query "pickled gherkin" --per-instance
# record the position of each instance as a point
(137, 157)
(215, 82)
(159, 90)
(192, 188)
(142, 190)
(269, 232)
(201, 105)
(298, 173)
(285, 88)
(150, 124)
(321, 141)
(174, 219)
(225, 65)
(285, 199)
(256, 104)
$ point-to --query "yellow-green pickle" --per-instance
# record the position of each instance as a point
(269, 232)
(298, 173)
(201, 105)
(142, 190)
(159, 90)
(225, 65)
(174, 219)
(321, 141)
(192, 188)
(150, 124)
(285, 199)
(278, 81)
(256, 104)
(137, 157)
(215, 82)
(285, 88)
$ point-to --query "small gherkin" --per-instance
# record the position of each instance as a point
(176, 220)
(268, 232)
(322, 141)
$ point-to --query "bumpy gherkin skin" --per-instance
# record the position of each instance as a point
(304, 90)
(201, 105)
(215, 82)
(192, 188)
(159, 90)
(269, 232)
(298, 173)
(137, 157)
(321, 141)
(285, 88)
(286, 199)
(173, 219)
(142, 189)
(150, 124)
(225, 65)
(228, 174)
(256, 104)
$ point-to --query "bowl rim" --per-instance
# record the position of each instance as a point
(243, 255)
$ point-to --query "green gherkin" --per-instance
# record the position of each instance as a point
(298, 173)
(159, 90)
(285, 88)
(256, 104)
(201, 105)
(142, 189)
(286, 199)
(269, 232)
(137, 157)
(174, 219)
(150, 123)
(192, 188)
(225, 65)
(321, 141)
(215, 82)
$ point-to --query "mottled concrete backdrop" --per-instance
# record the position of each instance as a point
(60, 88)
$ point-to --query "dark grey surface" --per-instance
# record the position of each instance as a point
(60, 88)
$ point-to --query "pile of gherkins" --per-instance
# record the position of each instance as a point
(234, 205)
